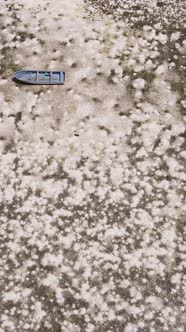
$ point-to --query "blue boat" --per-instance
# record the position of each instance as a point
(38, 77)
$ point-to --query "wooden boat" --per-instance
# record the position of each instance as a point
(39, 77)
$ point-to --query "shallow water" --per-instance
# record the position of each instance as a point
(91, 173)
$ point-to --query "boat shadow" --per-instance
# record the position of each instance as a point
(15, 80)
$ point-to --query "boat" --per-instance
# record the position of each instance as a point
(39, 77)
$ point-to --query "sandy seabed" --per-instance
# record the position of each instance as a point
(92, 173)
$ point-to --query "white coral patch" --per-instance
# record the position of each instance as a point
(11, 296)
(50, 281)
(139, 83)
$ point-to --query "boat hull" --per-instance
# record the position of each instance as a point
(39, 77)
